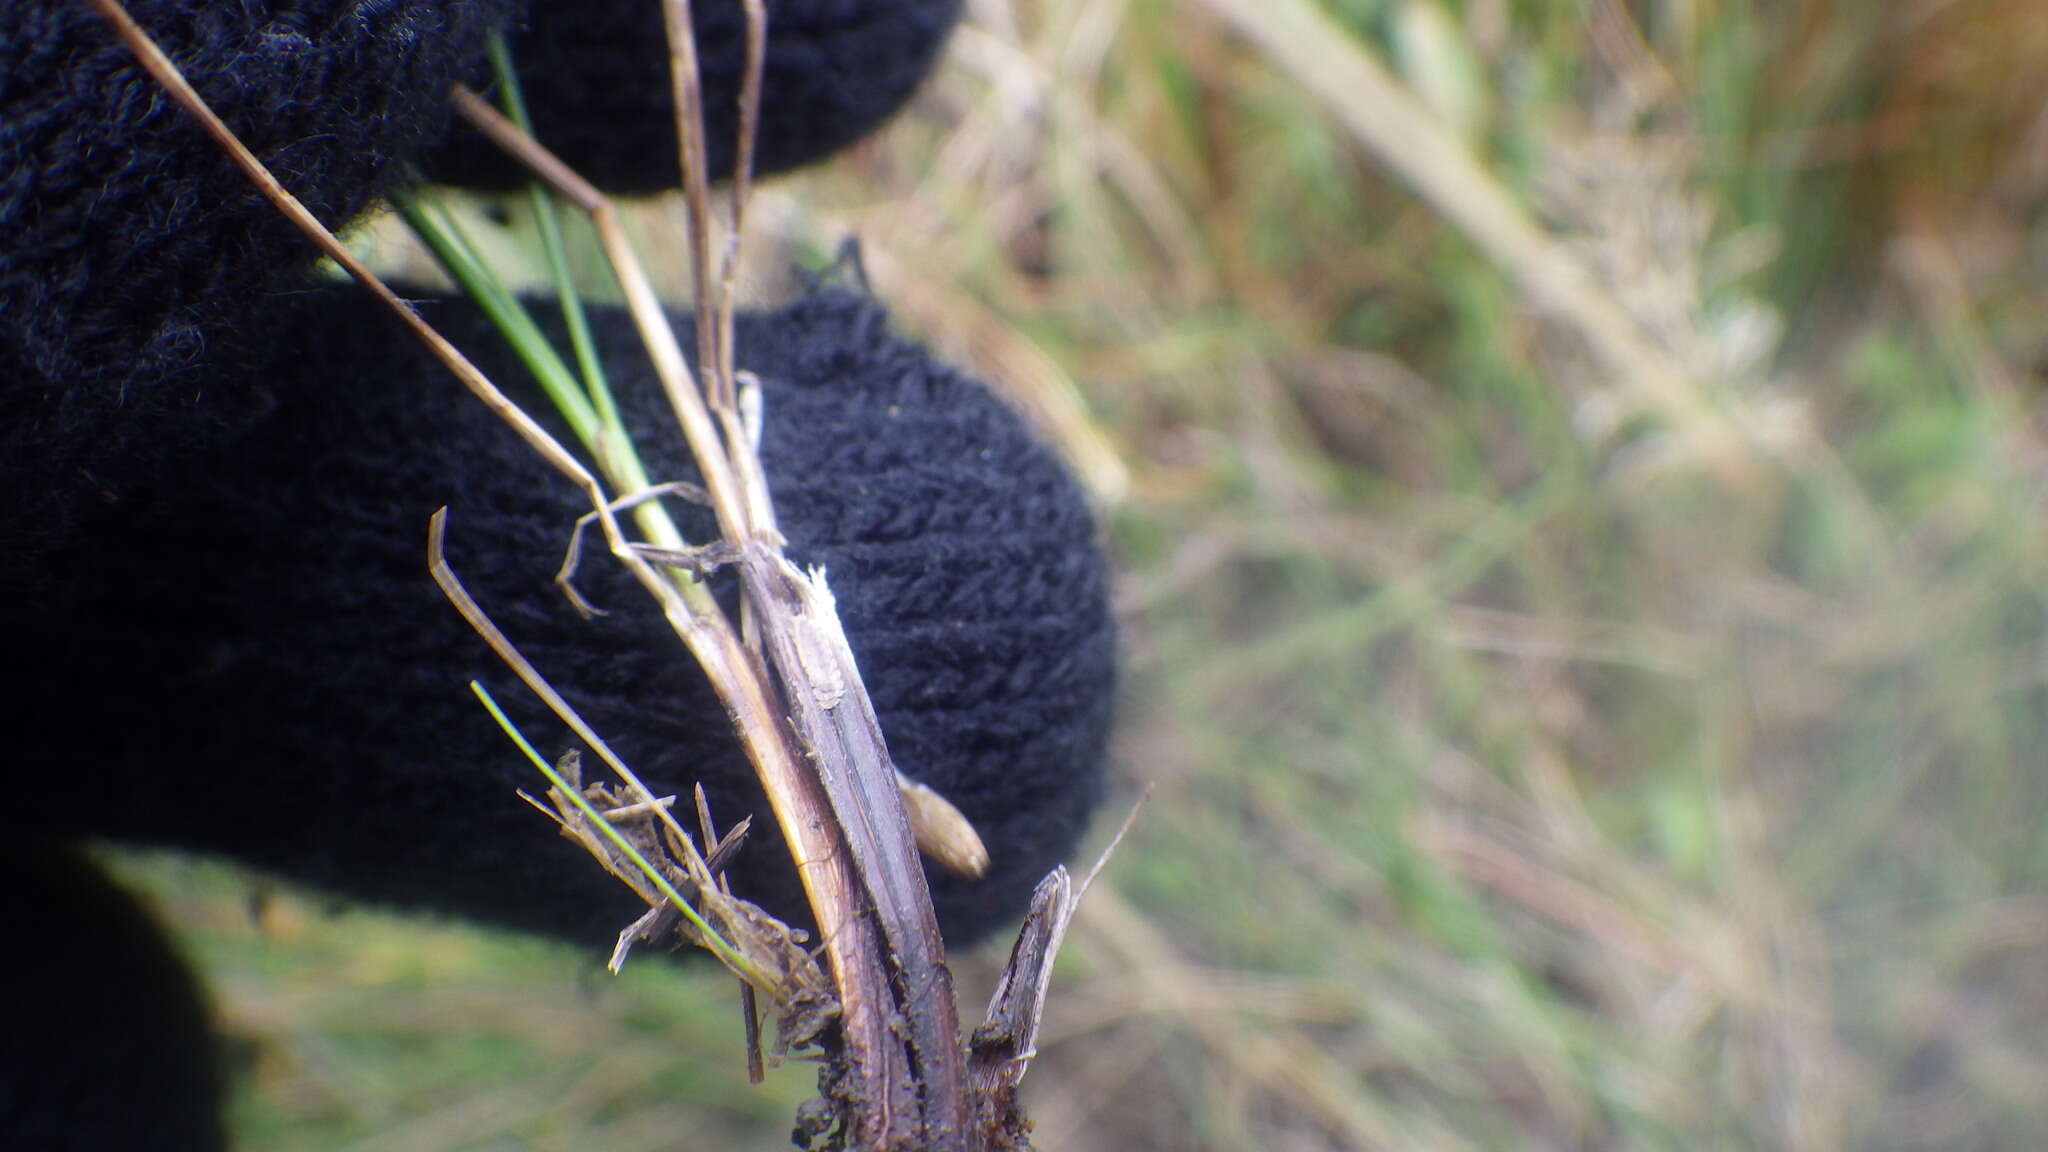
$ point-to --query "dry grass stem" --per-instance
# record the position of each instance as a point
(775, 593)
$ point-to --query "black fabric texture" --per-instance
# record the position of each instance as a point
(596, 78)
(106, 1044)
(215, 477)
(130, 248)
(250, 659)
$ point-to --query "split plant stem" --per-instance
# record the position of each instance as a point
(913, 1088)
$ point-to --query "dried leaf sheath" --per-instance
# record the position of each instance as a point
(902, 976)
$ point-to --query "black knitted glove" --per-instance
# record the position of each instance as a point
(131, 249)
(212, 502)
(251, 660)
(596, 77)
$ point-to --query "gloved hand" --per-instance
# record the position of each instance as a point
(250, 659)
(214, 480)
(131, 250)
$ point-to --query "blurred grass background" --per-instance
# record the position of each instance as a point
(1581, 524)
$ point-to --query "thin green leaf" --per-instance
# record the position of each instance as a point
(725, 951)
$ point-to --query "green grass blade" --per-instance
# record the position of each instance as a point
(444, 238)
(547, 214)
(718, 945)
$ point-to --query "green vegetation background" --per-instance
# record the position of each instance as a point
(1527, 776)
